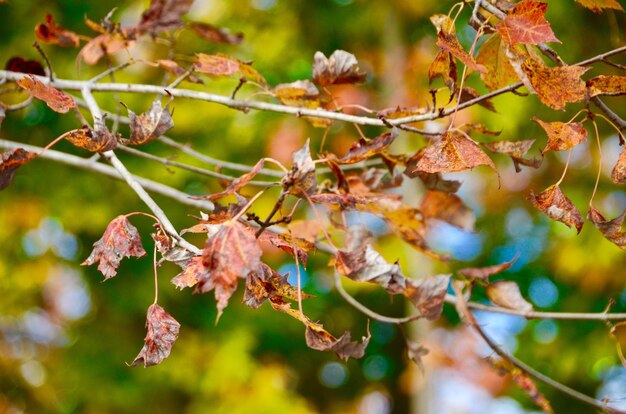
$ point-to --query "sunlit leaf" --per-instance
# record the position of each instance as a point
(597, 6)
(450, 43)
(618, 174)
(162, 333)
(92, 140)
(607, 85)
(443, 66)
(556, 86)
(103, 45)
(485, 272)
(492, 55)
(526, 24)
(554, 204)
(447, 207)
(452, 152)
(340, 67)
(562, 136)
(506, 293)
(55, 99)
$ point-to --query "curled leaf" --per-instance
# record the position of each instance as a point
(428, 295)
(365, 149)
(162, 333)
(610, 229)
(443, 66)
(120, 239)
(193, 271)
(10, 161)
(149, 125)
(54, 98)
(238, 183)
(506, 293)
(50, 32)
(554, 204)
(526, 24)
(485, 272)
(516, 150)
(341, 67)
(415, 352)
(449, 43)
(91, 140)
(562, 136)
(301, 177)
(492, 55)
(618, 174)
(269, 284)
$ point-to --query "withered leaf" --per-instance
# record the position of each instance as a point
(363, 149)
(428, 294)
(611, 229)
(554, 204)
(449, 43)
(150, 125)
(443, 23)
(193, 271)
(516, 150)
(10, 161)
(555, 86)
(301, 177)
(433, 181)
(618, 175)
(524, 382)
(443, 66)
(216, 34)
(607, 85)
(296, 91)
(54, 98)
(341, 67)
(415, 352)
(222, 65)
(230, 253)
(121, 239)
(163, 15)
(19, 64)
(467, 94)
(487, 271)
(506, 293)
(447, 207)
(176, 70)
(162, 333)
(238, 183)
(597, 6)
(492, 55)
(287, 243)
(269, 284)
(526, 24)
(452, 152)
(103, 45)
(91, 140)
(50, 32)
(562, 136)
(408, 223)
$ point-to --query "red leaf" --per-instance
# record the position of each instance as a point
(269, 284)
(229, 254)
(120, 240)
(453, 152)
(507, 294)
(341, 67)
(18, 64)
(287, 243)
(611, 229)
(163, 15)
(562, 136)
(193, 271)
(149, 125)
(162, 333)
(54, 98)
(216, 34)
(554, 204)
(91, 140)
(10, 161)
(50, 32)
(526, 24)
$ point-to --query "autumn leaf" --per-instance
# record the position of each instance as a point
(162, 333)
(365, 149)
(554, 204)
(492, 55)
(54, 98)
(562, 136)
(149, 125)
(229, 254)
(120, 240)
(524, 382)
(221, 65)
(506, 293)
(618, 174)
(269, 284)
(341, 67)
(287, 243)
(216, 34)
(10, 161)
(606, 85)
(447, 207)
(449, 43)
(296, 92)
(467, 94)
(50, 32)
(19, 64)
(485, 272)
(301, 177)
(428, 295)
(163, 15)
(91, 140)
(452, 152)
(193, 271)
(444, 67)
(175, 69)
(526, 24)
(103, 45)
(416, 352)
(555, 86)
(236, 184)
(516, 150)
(610, 229)
(597, 6)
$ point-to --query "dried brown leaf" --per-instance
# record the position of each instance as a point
(428, 295)
(10, 161)
(516, 150)
(150, 125)
(562, 136)
(467, 94)
(120, 239)
(526, 24)
(238, 183)
(492, 55)
(447, 207)
(363, 149)
(485, 272)
(554, 204)
(216, 34)
(91, 140)
(50, 32)
(269, 284)
(416, 352)
(449, 43)
(341, 67)
(163, 15)
(618, 175)
(607, 85)
(443, 66)
(555, 86)
(19, 64)
(301, 177)
(162, 333)
(103, 45)
(610, 229)
(506, 293)
(597, 6)
(453, 152)
(176, 70)
(193, 271)
(54, 98)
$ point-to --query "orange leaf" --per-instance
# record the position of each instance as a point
(10, 161)
(492, 55)
(597, 6)
(120, 240)
(450, 43)
(91, 140)
(162, 333)
(102, 45)
(341, 67)
(238, 183)
(556, 86)
(50, 32)
(607, 85)
(363, 149)
(269, 284)
(443, 66)
(215, 65)
(562, 136)
(618, 175)
(516, 150)
(506, 293)
(54, 98)
(453, 152)
(447, 207)
(554, 204)
(611, 229)
(526, 24)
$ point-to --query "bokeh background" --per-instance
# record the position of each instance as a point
(65, 337)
